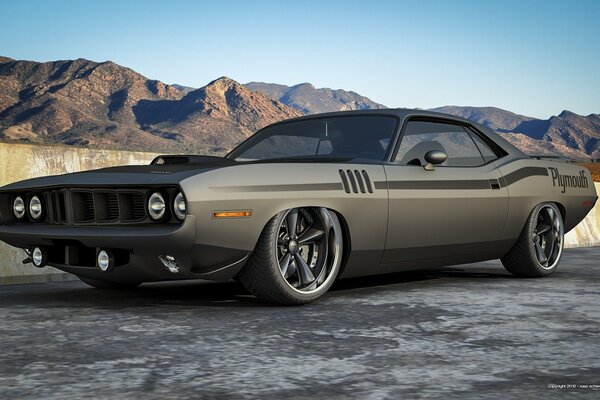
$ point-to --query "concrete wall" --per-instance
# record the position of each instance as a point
(587, 233)
(19, 161)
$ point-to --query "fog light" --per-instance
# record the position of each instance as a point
(19, 207)
(35, 207)
(39, 257)
(170, 263)
(105, 260)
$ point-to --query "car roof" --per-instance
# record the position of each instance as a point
(398, 112)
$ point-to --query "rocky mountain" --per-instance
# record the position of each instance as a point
(492, 117)
(309, 100)
(567, 134)
(76, 102)
(85, 103)
(215, 117)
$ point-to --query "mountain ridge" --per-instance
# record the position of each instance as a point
(103, 104)
(310, 100)
(86, 103)
(568, 133)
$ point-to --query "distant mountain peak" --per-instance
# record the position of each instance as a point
(567, 114)
(305, 85)
(223, 80)
(307, 99)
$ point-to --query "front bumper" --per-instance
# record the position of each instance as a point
(71, 247)
(150, 240)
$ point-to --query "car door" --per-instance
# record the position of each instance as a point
(457, 209)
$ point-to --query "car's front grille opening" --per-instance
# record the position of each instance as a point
(83, 207)
(61, 208)
(56, 212)
(132, 206)
(106, 206)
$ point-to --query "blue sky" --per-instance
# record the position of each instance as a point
(531, 57)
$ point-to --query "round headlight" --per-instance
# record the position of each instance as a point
(156, 206)
(35, 207)
(179, 206)
(19, 207)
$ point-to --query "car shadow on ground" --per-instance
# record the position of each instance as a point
(414, 276)
(216, 294)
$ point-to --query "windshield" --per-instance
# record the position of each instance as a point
(364, 137)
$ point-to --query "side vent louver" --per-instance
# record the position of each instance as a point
(356, 181)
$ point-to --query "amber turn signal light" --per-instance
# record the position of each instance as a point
(232, 214)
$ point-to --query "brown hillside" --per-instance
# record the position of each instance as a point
(215, 117)
(594, 169)
(85, 103)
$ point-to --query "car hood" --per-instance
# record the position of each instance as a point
(133, 175)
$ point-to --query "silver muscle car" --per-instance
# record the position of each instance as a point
(304, 202)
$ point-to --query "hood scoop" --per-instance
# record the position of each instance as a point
(190, 159)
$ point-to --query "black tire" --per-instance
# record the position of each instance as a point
(265, 276)
(108, 285)
(538, 250)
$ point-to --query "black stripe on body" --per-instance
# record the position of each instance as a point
(509, 179)
(472, 184)
(281, 188)
(523, 173)
(454, 184)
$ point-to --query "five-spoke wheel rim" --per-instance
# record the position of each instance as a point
(547, 236)
(308, 248)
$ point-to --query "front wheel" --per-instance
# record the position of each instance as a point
(297, 257)
(539, 248)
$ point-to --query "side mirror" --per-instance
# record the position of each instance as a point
(434, 157)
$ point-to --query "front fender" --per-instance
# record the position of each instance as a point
(267, 189)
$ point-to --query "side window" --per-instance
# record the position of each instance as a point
(423, 136)
(487, 153)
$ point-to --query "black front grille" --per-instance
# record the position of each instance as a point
(95, 206)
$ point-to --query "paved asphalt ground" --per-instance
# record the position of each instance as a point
(462, 332)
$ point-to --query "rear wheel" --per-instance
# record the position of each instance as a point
(539, 248)
(297, 257)
(108, 285)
